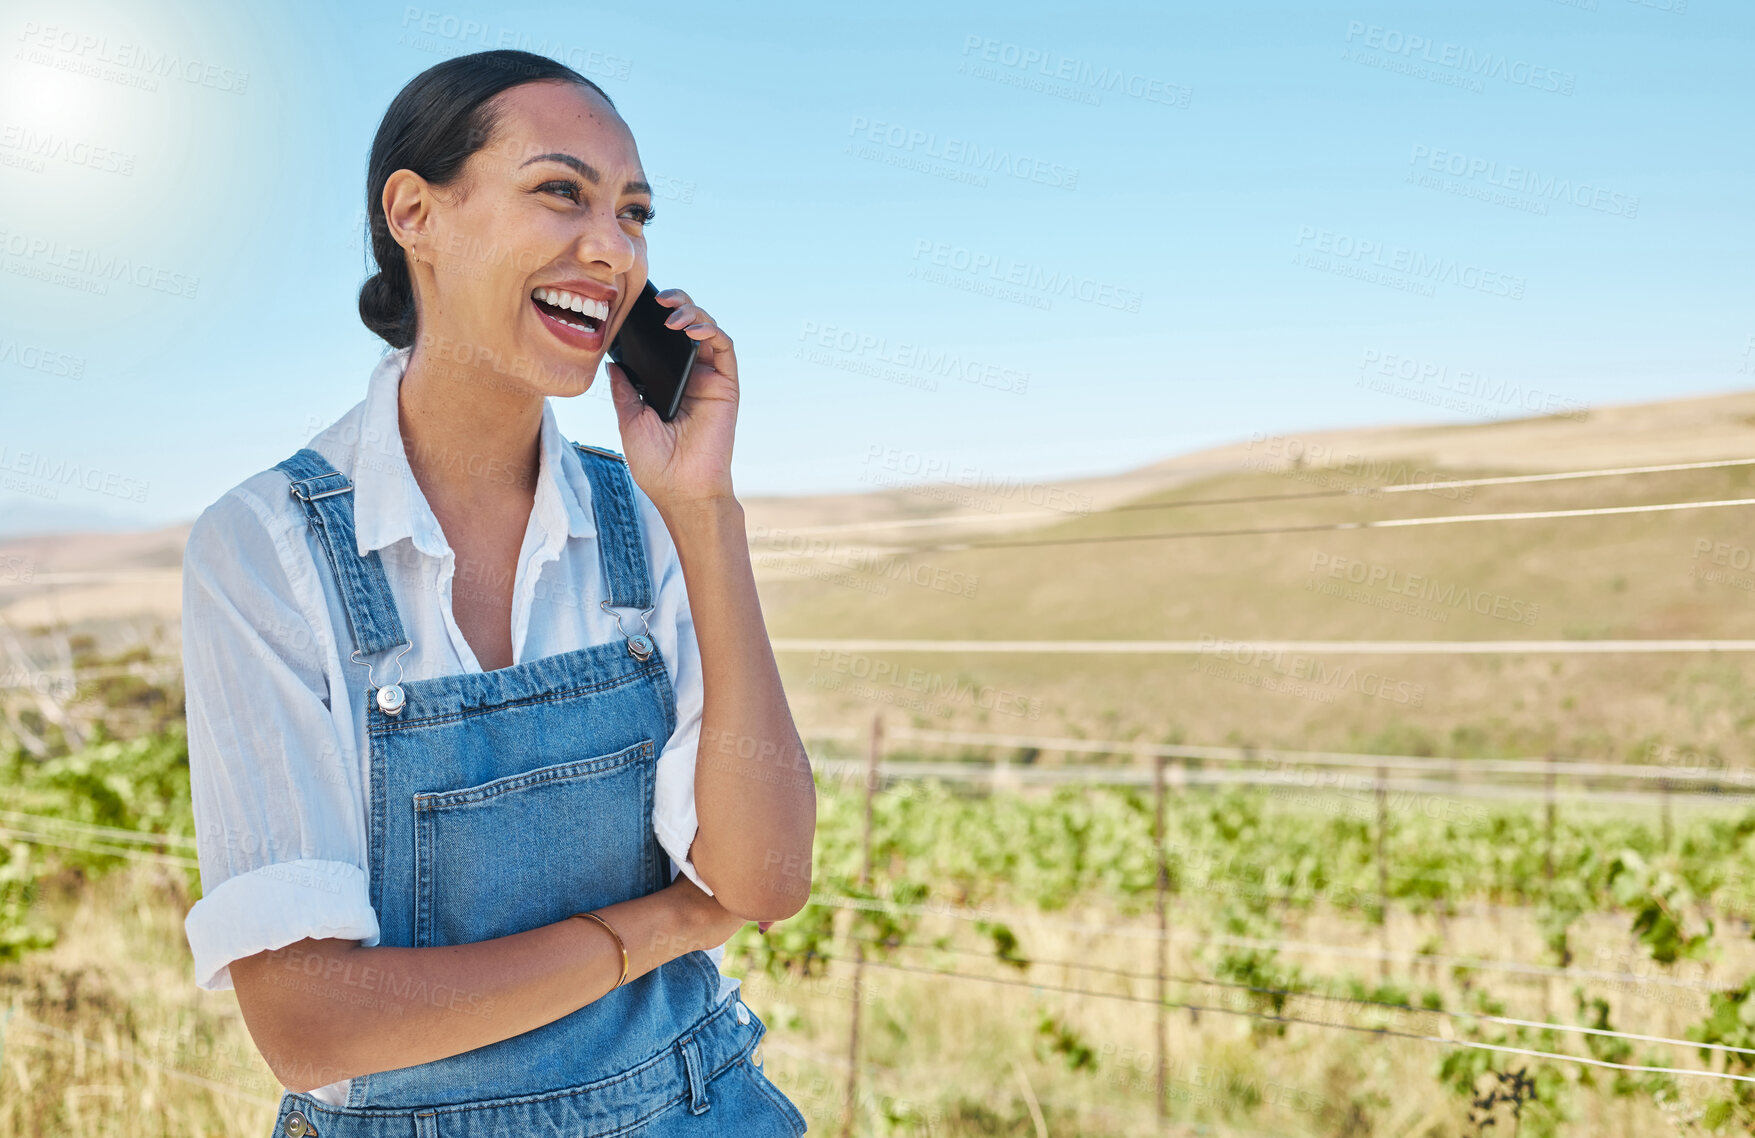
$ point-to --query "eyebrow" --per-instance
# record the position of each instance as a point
(589, 171)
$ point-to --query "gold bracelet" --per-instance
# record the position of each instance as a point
(619, 943)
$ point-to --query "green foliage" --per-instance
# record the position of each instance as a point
(142, 784)
(21, 931)
(1242, 863)
(1005, 943)
(1658, 900)
(1056, 1037)
(139, 786)
(1730, 1022)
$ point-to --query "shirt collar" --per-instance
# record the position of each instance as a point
(388, 502)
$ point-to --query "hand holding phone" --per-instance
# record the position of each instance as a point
(656, 359)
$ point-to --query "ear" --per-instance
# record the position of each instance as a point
(408, 208)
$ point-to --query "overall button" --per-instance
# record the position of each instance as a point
(298, 1126)
(391, 699)
(742, 1013)
(756, 1056)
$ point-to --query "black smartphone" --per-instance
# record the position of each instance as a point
(657, 359)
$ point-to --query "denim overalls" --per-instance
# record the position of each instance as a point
(505, 800)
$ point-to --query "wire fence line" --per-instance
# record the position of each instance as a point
(102, 848)
(1364, 759)
(73, 677)
(1380, 1031)
(1327, 997)
(1329, 527)
(1463, 483)
(90, 576)
(70, 577)
(95, 830)
(1025, 775)
(1350, 491)
(1474, 909)
(1290, 769)
(1361, 1028)
(32, 837)
(1305, 495)
(1213, 646)
(1010, 917)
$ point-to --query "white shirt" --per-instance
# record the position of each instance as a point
(278, 758)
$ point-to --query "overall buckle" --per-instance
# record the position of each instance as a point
(640, 645)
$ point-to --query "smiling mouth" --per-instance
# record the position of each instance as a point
(571, 309)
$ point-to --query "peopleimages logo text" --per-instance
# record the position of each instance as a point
(1411, 262)
(1053, 282)
(97, 265)
(132, 57)
(60, 472)
(1460, 58)
(1520, 180)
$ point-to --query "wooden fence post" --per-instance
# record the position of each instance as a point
(1382, 872)
(1548, 843)
(871, 776)
(1668, 830)
(1163, 886)
(1548, 871)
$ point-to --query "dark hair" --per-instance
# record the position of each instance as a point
(432, 127)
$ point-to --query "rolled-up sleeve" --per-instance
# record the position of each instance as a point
(673, 627)
(274, 775)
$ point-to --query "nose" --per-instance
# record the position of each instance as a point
(604, 240)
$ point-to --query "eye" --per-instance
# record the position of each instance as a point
(571, 189)
(568, 184)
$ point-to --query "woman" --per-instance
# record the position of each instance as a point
(448, 677)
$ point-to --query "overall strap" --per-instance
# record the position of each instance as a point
(619, 543)
(327, 496)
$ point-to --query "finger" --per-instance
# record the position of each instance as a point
(687, 314)
(628, 403)
(671, 297)
(709, 333)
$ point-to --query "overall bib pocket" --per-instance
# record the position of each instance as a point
(525, 850)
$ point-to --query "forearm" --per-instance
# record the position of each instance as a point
(755, 801)
(324, 1010)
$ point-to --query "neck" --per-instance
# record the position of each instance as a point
(471, 436)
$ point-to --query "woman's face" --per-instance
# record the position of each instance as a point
(528, 264)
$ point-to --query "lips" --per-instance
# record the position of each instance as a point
(570, 307)
(572, 330)
(575, 311)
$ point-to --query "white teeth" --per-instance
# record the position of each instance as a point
(584, 305)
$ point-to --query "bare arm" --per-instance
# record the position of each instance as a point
(755, 800)
(325, 1010)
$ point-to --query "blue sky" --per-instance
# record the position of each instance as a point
(1022, 240)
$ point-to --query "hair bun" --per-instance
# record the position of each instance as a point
(387, 308)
